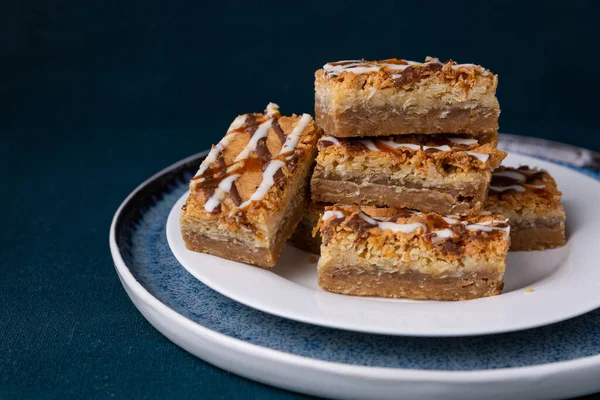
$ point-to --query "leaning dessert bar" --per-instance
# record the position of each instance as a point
(391, 97)
(402, 253)
(446, 174)
(531, 201)
(249, 192)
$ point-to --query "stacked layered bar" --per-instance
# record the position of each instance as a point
(249, 193)
(401, 253)
(446, 174)
(390, 97)
(531, 201)
(399, 136)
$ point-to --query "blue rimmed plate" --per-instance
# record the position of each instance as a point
(558, 360)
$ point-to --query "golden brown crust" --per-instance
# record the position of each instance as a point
(447, 154)
(537, 236)
(412, 285)
(468, 200)
(401, 253)
(539, 193)
(260, 216)
(449, 238)
(530, 198)
(385, 77)
(265, 257)
(376, 98)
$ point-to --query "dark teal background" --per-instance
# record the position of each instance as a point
(97, 96)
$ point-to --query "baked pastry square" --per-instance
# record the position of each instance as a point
(250, 191)
(530, 199)
(402, 253)
(445, 174)
(392, 97)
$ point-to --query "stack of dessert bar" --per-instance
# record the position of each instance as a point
(402, 177)
(404, 200)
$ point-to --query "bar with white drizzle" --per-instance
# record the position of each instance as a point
(433, 173)
(436, 227)
(395, 66)
(445, 143)
(517, 180)
(360, 98)
(388, 252)
(530, 198)
(218, 180)
(250, 191)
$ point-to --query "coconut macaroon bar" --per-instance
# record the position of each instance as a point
(249, 193)
(391, 97)
(531, 201)
(446, 174)
(401, 253)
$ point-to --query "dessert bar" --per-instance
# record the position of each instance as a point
(305, 237)
(249, 192)
(392, 97)
(402, 253)
(531, 201)
(446, 174)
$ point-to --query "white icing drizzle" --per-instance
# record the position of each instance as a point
(464, 141)
(267, 182)
(392, 226)
(436, 236)
(510, 174)
(330, 139)
(355, 67)
(238, 122)
(292, 139)
(517, 188)
(479, 156)
(486, 228)
(372, 145)
(493, 221)
(401, 67)
(268, 178)
(450, 220)
(369, 144)
(517, 175)
(223, 188)
(217, 149)
(394, 145)
(441, 235)
(260, 133)
(331, 214)
(272, 111)
(440, 148)
(361, 67)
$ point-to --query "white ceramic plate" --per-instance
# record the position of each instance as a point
(540, 287)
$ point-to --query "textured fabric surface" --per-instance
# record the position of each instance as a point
(97, 96)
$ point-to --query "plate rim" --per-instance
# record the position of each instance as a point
(268, 307)
(359, 372)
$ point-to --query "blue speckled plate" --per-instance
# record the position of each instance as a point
(558, 360)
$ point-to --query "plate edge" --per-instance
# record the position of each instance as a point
(356, 371)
